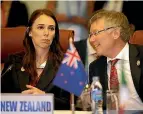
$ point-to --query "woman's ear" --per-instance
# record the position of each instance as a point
(30, 34)
(29, 31)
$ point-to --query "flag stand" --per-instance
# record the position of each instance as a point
(72, 103)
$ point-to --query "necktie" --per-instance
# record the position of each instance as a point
(113, 100)
(114, 83)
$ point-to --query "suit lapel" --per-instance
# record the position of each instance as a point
(84, 52)
(45, 79)
(23, 78)
(47, 76)
(135, 67)
(81, 47)
(102, 73)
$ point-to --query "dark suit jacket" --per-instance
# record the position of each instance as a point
(99, 68)
(81, 47)
(18, 15)
(15, 80)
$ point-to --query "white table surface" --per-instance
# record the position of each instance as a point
(70, 112)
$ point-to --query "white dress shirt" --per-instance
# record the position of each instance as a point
(43, 65)
(134, 102)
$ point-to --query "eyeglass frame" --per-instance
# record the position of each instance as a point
(99, 31)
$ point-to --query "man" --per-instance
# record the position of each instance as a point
(109, 35)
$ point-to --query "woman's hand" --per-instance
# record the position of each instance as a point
(32, 90)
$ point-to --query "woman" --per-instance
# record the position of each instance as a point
(34, 69)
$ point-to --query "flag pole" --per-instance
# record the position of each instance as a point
(72, 95)
(72, 103)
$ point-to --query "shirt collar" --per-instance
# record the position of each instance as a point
(43, 65)
(90, 49)
(123, 55)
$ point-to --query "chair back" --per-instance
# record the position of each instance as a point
(137, 37)
(12, 40)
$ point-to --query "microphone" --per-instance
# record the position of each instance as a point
(7, 70)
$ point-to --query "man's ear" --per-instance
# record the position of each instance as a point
(116, 33)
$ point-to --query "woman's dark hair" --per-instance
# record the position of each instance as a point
(55, 51)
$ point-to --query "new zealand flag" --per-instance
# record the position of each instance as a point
(71, 75)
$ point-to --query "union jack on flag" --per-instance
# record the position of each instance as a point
(71, 75)
(71, 57)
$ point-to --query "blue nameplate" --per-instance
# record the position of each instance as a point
(26, 104)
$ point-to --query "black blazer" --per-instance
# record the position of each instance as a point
(15, 80)
(99, 68)
(81, 47)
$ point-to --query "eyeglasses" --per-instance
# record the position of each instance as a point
(98, 32)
